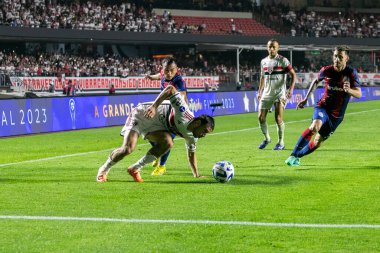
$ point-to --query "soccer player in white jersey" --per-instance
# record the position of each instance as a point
(272, 91)
(155, 122)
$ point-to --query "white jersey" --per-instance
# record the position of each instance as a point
(142, 125)
(174, 117)
(274, 71)
(180, 118)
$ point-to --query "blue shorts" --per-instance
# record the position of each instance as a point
(329, 123)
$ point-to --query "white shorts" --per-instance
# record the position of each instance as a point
(142, 125)
(267, 102)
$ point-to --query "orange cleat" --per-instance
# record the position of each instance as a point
(135, 174)
(102, 175)
(101, 178)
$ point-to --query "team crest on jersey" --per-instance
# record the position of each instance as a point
(320, 114)
(270, 69)
(182, 109)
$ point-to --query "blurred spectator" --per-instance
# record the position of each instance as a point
(134, 16)
(64, 89)
(51, 87)
(70, 89)
(112, 89)
(319, 24)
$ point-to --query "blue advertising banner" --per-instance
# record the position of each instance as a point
(29, 116)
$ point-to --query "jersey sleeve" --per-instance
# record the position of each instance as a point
(184, 115)
(179, 83)
(354, 79)
(162, 79)
(321, 74)
(191, 144)
(178, 103)
(286, 64)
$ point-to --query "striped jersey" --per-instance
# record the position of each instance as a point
(274, 71)
(179, 119)
(177, 82)
(334, 98)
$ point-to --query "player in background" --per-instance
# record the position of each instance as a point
(156, 122)
(272, 91)
(169, 75)
(341, 82)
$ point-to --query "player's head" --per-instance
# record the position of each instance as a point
(340, 57)
(170, 68)
(273, 46)
(203, 125)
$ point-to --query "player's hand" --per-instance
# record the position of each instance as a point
(289, 94)
(148, 77)
(258, 96)
(346, 86)
(301, 104)
(150, 112)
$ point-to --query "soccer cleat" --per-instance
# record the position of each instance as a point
(135, 174)
(155, 163)
(293, 161)
(264, 144)
(159, 170)
(101, 178)
(102, 175)
(279, 147)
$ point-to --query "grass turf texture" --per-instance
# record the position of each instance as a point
(337, 184)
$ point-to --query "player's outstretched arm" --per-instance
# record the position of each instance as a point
(261, 87)
(293, 78)
(193, 163)
(153, 77)
(312, 88)
(165, 94)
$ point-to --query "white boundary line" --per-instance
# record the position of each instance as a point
(108, 150)
(207, 222)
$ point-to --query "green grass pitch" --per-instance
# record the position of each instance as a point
(53, 175)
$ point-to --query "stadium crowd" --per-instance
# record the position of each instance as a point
(318, 24)
(139, 16)
(88, 15)
(49, 64)
(42, 63)
(133, 16)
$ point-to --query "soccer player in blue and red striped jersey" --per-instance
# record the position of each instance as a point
(169, 75)
(341, 82)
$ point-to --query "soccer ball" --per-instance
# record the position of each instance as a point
(223, 171)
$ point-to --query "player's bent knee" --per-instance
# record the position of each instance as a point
(126, 150)
(168, 144)
(318, 143)
(314, 129)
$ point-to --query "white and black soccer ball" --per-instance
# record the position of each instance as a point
(223, 171)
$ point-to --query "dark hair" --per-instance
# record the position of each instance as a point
(170, 60)
(274, 40)
(343, 48)
(206, 119)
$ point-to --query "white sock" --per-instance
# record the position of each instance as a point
(280, 132)
(264, 130)
(146, 159)
(107, 165)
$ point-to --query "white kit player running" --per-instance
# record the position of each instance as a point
(155, 122)
(272, 91)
